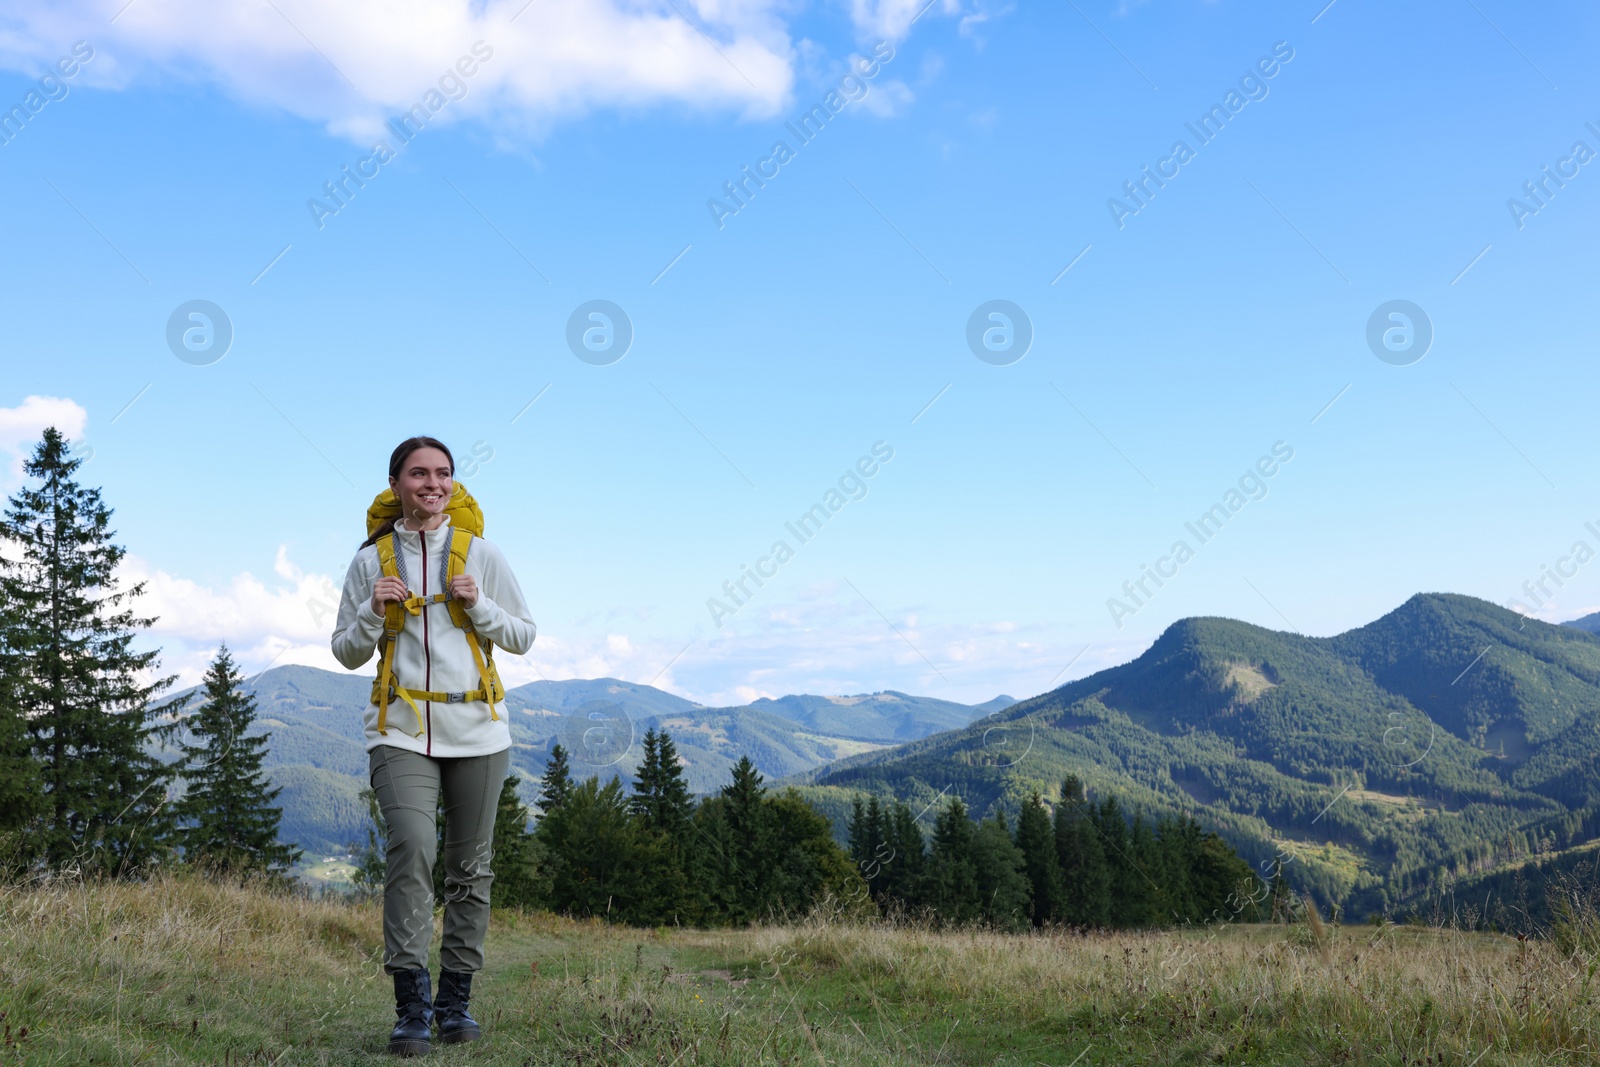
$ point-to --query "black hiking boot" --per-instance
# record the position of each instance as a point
(413, 1009)
(455, 1025)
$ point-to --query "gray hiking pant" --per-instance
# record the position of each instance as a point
(408, 784)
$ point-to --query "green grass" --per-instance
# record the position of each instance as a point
(188, 972)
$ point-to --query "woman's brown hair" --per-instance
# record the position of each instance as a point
(397, 462)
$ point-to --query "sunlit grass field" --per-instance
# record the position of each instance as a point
(186, 971)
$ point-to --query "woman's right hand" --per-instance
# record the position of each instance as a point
(387, 589)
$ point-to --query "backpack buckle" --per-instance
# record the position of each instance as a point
(455, 698)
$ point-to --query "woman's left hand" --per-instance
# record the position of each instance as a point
(465, 589)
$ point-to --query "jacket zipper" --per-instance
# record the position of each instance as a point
(427, 655)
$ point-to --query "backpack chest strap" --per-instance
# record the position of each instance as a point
(391, 563)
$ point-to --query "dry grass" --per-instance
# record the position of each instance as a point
(124, 972)
(193, 972)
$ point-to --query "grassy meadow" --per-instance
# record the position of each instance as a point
(186, 971)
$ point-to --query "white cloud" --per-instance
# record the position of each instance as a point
(971, 23)
(288, 621)
(826, 641)
(887, 99)
(22, 426)
(893, 18)
(355, 64)
(288, 618)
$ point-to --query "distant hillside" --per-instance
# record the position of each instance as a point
(1589, 623)
(887, 716)
(318, 756)
(1448, 737)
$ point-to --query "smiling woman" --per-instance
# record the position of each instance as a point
(436, 647)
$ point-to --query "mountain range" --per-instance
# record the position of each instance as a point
(318, 756)
(1437, 748)
(1446, 741)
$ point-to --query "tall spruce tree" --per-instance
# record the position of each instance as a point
(1085, 875)
(719, 884)
(228, 821)
(660, 795)
(878, 851)
(661, 804)
(557, 783)
(905, 866)
(1145, 903)
(856, 832)
(595, 843)
(66, 641)
(1127, 895)
(1000, 869)
(21, 783)
(1037, 842)
(805, 863)
(952, 874)
(519, 880)
(870, 848)
(1179, 850)
(749, 833)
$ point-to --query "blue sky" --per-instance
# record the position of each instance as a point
(1227, 315)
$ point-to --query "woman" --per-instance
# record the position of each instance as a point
(461, 744)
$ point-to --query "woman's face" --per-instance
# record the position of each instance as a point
(424, 484)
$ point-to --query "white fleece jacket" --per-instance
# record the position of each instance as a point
(432, 652)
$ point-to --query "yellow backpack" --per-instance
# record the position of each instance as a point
(466, 522)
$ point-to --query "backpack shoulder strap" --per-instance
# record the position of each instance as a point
(394, 620)
(386, 558)
(482, 649)
(460, 545)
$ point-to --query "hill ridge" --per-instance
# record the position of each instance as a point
(318, 752)
(1446, 736)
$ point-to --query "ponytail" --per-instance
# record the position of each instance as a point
(385, 528)
(397, 462)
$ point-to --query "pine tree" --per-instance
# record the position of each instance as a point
(557, 784)
(952, 874)
(519, 880)
(21, 781)
(878, 850)
(1178, 844)
(870, 848)
(749, 835)
(1126, 894)
(661, 796)
(904, 868)
(806, 863)
(719, 884)
(66, 638)
(1000, 869)
(856, 833)
(228, 821)
(1144, 893)
(1037, 843)
(596, 850)
(1086, 877)
(661, 804)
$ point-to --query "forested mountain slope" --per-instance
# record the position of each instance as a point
(1448, 737)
